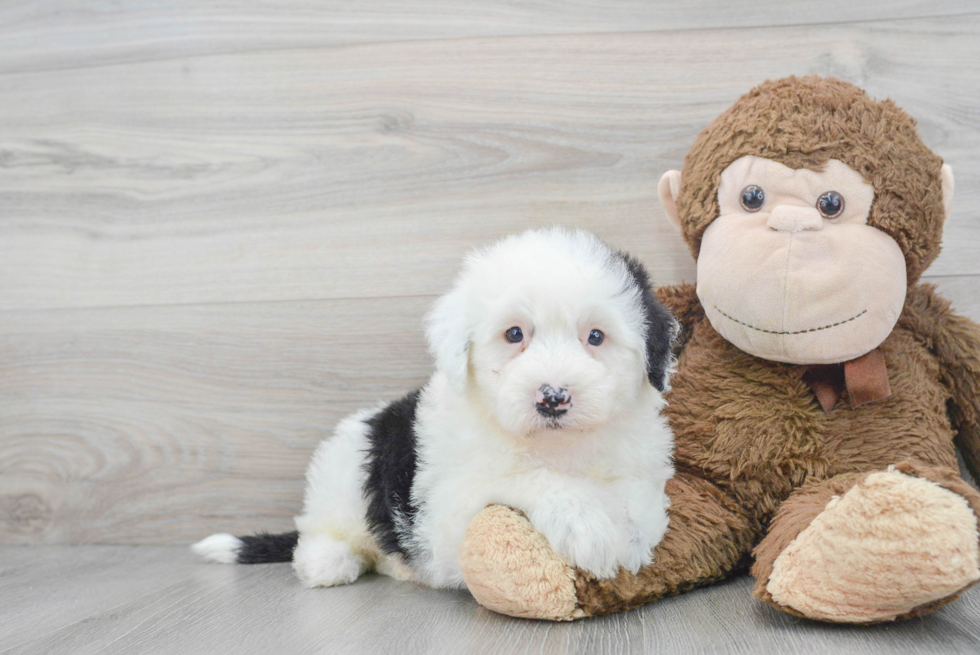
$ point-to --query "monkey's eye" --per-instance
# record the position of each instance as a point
(752, 198)
(830, 204)
(596, 337)
(514, 335)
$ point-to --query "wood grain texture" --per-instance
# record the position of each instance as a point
(93, 33)
(366, 171)
(111, 599)
(220, 226)
(159, 424)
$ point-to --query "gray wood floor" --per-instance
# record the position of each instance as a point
(158, 599)
(221, 223)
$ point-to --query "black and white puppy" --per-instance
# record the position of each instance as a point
(551, 360)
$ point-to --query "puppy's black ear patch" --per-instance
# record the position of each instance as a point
(662, 327)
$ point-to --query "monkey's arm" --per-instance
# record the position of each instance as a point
(681, 300)
(955, 340)
(510, 568)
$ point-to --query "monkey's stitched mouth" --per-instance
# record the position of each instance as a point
(816, 329)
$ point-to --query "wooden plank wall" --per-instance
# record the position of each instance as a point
(222, 222)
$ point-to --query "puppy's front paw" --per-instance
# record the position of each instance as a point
(640, 551)
(584, 535)
(646, 531)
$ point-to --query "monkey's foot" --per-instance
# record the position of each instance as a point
(510, 568)
(893, 546)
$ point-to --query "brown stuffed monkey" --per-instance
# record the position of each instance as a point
(819, 389)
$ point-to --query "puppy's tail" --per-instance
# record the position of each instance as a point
(261, 548)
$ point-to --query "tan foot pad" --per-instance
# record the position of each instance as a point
(510, 568)
(891, 544)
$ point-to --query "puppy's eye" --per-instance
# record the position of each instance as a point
(752, 198)
(830, 204)
(596, 337)
(514, 335)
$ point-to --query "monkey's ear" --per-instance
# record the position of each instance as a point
(668, 190)
(946, 176)
(448, 336)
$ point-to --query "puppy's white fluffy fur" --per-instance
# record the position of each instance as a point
(591, 480)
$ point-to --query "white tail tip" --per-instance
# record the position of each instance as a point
(222, 548)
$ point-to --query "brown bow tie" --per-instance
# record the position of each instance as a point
(866, 379)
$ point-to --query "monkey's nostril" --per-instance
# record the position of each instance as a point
(789, 218)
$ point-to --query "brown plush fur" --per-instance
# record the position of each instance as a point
(749, 432)
(757, 457)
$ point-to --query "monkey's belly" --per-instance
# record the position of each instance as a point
(755, 429)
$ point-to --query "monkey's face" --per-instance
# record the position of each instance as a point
(790, 270)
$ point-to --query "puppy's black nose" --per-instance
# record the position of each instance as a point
(553, 401)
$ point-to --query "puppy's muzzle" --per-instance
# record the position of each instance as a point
(553, 402)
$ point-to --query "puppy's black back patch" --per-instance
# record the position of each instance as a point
(390, 466)
(662, 328)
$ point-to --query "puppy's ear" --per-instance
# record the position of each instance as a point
(448, 335)
(662, 331)
(661, 327)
